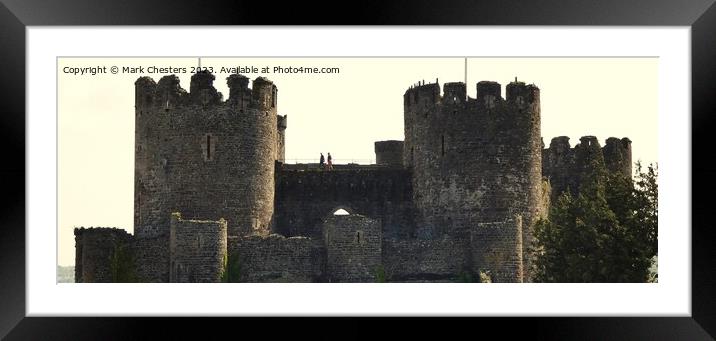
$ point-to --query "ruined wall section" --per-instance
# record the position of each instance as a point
(497, 250)
(420, 260)
(197, 250)
(205, 157)
(566, 167)
(276, 258)
(473, 160)
(304, 198)
(353, 248)
(94, 249)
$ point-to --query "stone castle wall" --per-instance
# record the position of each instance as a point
(94, 250)
(305, 198)
(276, 258)
(151, 258)
(353, 248)
(497, 249)
(420, 260)
(197, 250)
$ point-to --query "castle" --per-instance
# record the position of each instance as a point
(455, 199)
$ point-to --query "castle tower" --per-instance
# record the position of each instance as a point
(281, 148)
(474, 161)
(389, 153)
(203, 157)
(617, 156)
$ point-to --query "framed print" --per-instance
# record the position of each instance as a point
(160, 161)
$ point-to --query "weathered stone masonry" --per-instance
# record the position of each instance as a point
(455, 199)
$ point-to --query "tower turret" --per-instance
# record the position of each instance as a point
(474, 162)
(617, 156)
(205, 158)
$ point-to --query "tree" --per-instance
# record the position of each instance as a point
(607, 233)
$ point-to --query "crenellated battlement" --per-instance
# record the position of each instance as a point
(428, 100)
(168, 94)
(563, 164)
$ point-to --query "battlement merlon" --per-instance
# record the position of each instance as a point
(519, 91)
(488, 88)
(282, 122)
(422, 93)
(264, 94)
(455, 92)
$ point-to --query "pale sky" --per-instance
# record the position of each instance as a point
(343, 113)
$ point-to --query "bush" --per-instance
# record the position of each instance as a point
(380, 276)
(232, 269)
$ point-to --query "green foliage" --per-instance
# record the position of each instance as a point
(465, 277)
(232, 269)
(380, 276)
(122, 265)
(608, 233)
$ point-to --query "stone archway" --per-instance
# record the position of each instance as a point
(341, 210)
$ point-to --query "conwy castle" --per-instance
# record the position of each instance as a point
(457, 198)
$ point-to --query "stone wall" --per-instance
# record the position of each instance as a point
(497, 250)
(151, 256)
(389, 153)
(305, 197)
(205, 157)
(275, 258)
(415, 260)
(353, 248)
(94, 249)
(197, 250)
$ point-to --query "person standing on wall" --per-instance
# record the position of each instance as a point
(322, 164)
(330, 162)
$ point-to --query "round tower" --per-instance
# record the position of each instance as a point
(389, 153)
(205, 158)
(475, 161)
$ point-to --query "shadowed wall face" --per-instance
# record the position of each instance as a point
(95, 250)
(474, 160)
(305, 198)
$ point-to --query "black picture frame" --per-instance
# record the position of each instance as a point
(15, 15)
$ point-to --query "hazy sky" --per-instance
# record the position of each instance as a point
(341, 113)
